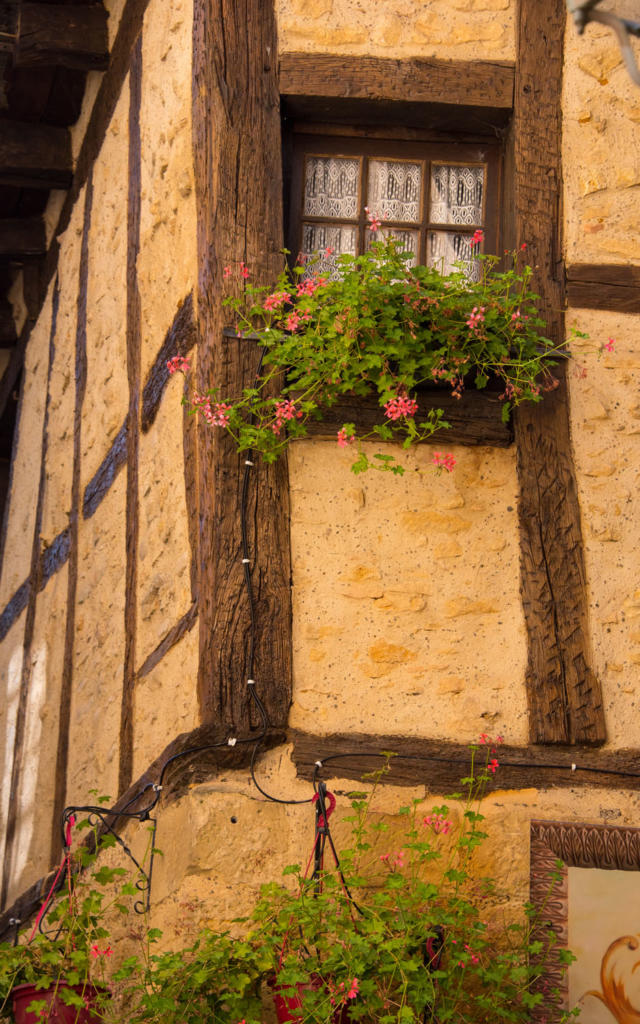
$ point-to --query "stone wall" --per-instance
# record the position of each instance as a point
(407, 617)
(166, 276)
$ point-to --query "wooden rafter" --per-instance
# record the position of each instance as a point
(22, 238)
(34, 155)
(72, 36)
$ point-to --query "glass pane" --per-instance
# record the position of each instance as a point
(331, 187)
(394, 190)
(408, 241)
(456, 194)
(446, 249)
(325, 242)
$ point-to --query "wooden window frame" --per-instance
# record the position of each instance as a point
(391, 145)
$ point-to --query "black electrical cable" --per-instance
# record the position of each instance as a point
(319, 787)
(428, 759)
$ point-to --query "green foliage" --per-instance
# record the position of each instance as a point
(75, 949)
(404, 932)
(385, 328)
(399, 937)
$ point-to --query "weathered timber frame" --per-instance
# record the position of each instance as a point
(565, 699)
(555, 847)
(238, 174)
(237, 156)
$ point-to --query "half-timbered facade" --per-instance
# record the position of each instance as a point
(407, 614)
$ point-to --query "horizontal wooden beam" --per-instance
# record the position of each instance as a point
(194, 758)
(485, 84)
(439, 765)
(34, 155)
(475, 419)
(20, 238)
(606, 286)
(71, 36)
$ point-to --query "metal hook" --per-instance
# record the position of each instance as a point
(584, 12)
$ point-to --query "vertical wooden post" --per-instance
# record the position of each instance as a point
(565, 701)
(133, 418)
(237, 157)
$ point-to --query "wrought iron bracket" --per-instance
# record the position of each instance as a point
(584, 11)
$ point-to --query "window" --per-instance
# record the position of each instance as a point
(431, 196)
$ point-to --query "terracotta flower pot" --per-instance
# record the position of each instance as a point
(289, 1007)
(58, 1011)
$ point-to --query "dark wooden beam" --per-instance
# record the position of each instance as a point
(179, 340)
(238, 178)
(199, 756)
(607, 286)
(8, 334)
(71, 36)
(475, 419)
(12, 372)
(565, 700)
(133, 329)
(439, 764)
(34, 155)
(414, 80)
(169, 640)
(20, 238)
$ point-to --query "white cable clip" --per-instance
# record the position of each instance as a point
(156, 788)
(251, 682)
(318, 764)
(245, 561)
(232, 741)
(248, 462)
(15, 920)
(573, 767)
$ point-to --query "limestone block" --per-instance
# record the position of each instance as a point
(166, 702)
(408, 602)
(220, 844)
(164, 583)
(32, 845)
(438, 29)
(98, 668)
(601, 165)
(168, 250)
(23, 498)
(607, 455)
(11, 658)
(59, 465)
(107, 393)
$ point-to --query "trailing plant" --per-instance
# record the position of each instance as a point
(380, 326)
(401, 930)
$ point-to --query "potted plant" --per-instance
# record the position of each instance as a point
(57, 972)
(399, 932)
(381, 327)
